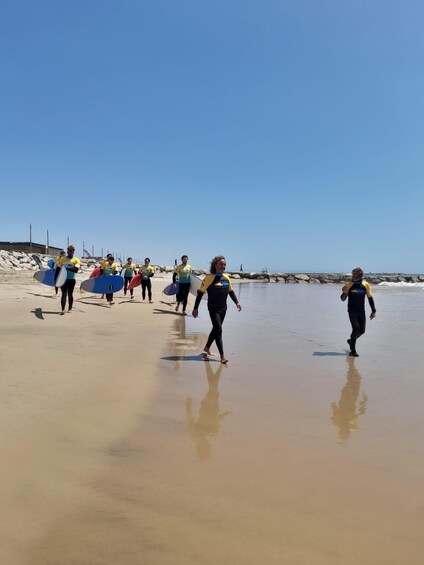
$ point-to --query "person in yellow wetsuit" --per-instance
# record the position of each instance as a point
(147, 272)
(72, 265)
(183, 273)
(108, 268)
(129, 269)
(355, 291)
(218, 286)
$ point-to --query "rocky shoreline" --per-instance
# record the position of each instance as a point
(19, 261)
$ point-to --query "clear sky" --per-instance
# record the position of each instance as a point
(282, 134)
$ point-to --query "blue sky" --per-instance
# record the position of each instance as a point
(282, 134)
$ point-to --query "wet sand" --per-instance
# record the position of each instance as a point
(121, 446)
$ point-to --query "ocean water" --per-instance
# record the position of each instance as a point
(295, 452)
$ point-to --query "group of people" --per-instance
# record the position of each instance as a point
(218, 286)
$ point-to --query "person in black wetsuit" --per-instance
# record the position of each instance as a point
(355, 291)
(218, 285)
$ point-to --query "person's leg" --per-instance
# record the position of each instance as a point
(217, 319)
(109, 297)
(126, 281)
(354, 320)
(186, 290)
(362, 320)
(143, 289)
(149, 289)
(71, 286)
(64, 289)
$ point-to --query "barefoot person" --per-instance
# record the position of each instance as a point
(355, 291)
(218, 285)
(108, 268)
(72, 265)
(129, 270)
(183, 272)
(147, 272)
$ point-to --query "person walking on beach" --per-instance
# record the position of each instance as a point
(218, 285)
(355, 291)
(72, 265)
(128, 269)
(183, 272)
(147, 272)
(108, 268)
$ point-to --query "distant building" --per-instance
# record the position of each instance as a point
(28, 247)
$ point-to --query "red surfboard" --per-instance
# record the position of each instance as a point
(96, 273)
(135, 281)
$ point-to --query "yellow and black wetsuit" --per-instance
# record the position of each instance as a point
(183, 272)
(356, 292)
(72, 265)
(218, 288)
(128, 275)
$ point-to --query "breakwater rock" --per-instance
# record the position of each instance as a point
(20, 261)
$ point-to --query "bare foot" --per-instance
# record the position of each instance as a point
(62, 313)
(224, 360)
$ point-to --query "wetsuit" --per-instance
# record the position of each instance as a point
(72, 265)
(146, 272)
(218, 287)
(356, 292)
(183, 272)
(128, 275)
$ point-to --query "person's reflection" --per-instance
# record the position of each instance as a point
(182, 344)
(208, 423)
(350, 407)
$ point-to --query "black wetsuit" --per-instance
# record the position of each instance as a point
(218, 288)
(356, 308)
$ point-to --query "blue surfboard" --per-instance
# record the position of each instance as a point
(103, 285)
(51, 263)
(170, 290)
(46, 276)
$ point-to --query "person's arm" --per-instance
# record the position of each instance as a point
(345, 292)
(74, 268)
(234, 298)
(152, 272)
(199, 297)
(370, 300)
(372, 305)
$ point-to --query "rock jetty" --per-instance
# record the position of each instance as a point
(20, 261)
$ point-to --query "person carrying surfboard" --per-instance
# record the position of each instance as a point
(355, 291)
(109, 267)
(218, 285)
(72, 265)
(183, 272)
(128, 269)
(147, 272)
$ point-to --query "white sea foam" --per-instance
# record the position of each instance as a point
(402, 284)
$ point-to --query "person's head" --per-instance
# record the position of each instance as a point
(110, 259)
(108, 255)
(146, 261)
(184, 259)
(71, 250)
(129, 260)
(218, 265)
(357, 274)
(62, 254)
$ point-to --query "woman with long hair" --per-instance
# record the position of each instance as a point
(218, 286)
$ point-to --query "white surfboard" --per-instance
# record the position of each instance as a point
(195, 284)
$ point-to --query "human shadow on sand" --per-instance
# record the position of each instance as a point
(83, 301)
(329, 354)
(160, 311)
(187, 358)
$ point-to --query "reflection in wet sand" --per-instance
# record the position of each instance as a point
(208, 422)
(350, 407)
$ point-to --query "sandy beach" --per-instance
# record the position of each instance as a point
(120, 446)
